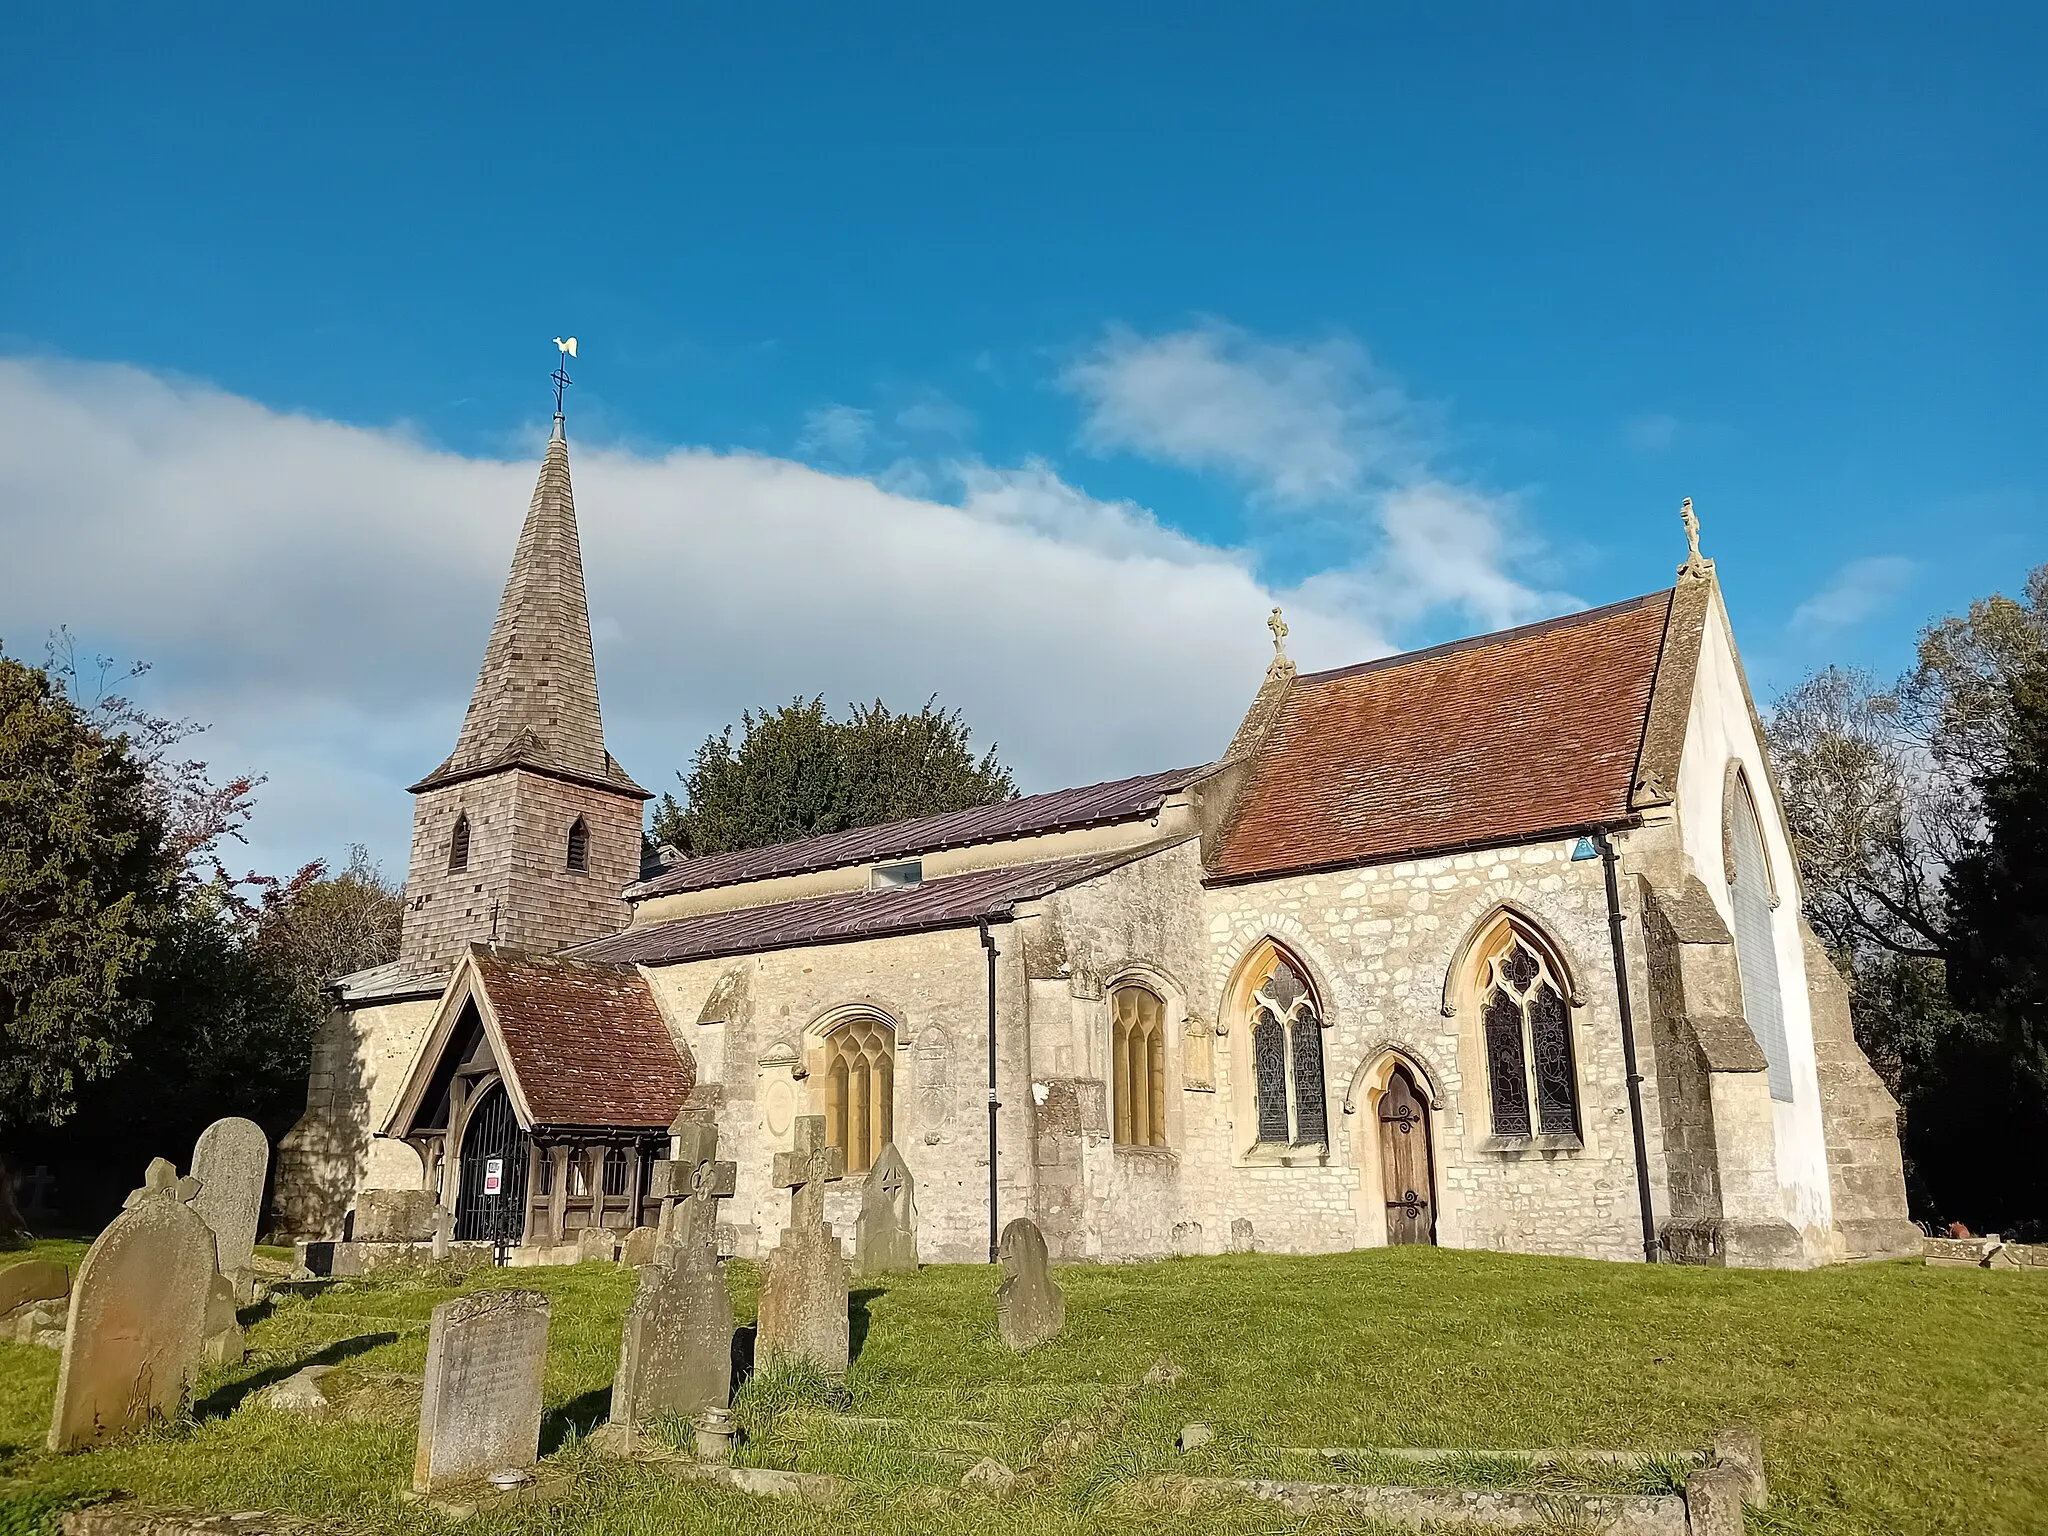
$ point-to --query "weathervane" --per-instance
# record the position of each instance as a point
(1279, 627)
(566, 345)
(1696, 565)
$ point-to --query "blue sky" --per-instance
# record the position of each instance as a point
(1417, 322)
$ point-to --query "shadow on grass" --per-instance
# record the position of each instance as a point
(578, 1416)
(223, 1401)
(857, 1319)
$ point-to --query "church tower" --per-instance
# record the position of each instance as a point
(529, 831)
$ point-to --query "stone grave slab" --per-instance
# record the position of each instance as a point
(480, 1404)
(1029, 1308)
(134, 1336)
(395, 1216)
(885, 1241)
(231, 1160)
(803, 1295)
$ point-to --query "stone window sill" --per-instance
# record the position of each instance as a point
(1517, 1146)
(1269, 1154)
(1156, 1154)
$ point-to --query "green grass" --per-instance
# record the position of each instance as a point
(1892, 1398)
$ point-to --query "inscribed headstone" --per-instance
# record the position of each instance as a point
(675, 1352)
(136, 1327)
(803, 1295)
(231, 1161)
(885, 1242)
(480, 1404)
(1029, 1307)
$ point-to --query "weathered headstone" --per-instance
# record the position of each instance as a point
(31, 1281)
(885, 1242)
(136, 1328)
(638, 1246)
(231, 1161)
(596, 1243)
(1029, 1307)
(480, 1405)
(1241, 1240)
(803, 1296)
(223, 1343)
(395, 1216)
(675, 1354)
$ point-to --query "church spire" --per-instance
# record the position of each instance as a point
(535, 704)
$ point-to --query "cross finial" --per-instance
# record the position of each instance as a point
(1696, 566)
(566, 346)
(1279, 627)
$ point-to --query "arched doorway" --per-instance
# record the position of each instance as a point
(492, 1131)
(1407, 1170)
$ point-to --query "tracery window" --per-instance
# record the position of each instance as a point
(458, 844)
(860, 1089)
(1527, 1024)
(579, 846)
(1137, 1045)
(1756, 944)
(1287, 1059)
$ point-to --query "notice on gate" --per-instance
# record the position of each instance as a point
(494, 1176)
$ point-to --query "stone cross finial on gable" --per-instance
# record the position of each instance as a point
(1696, 566)
(806, 1170)
(1279, 627)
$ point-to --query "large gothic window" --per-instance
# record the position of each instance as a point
(579, 846)
(1756, 942)
(458, 844)
(1137, 1046)
(860, 1089)
(1287, 1059)
(1531, 1079)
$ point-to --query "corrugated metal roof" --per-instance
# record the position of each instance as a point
(1058, 811)
(954, 902)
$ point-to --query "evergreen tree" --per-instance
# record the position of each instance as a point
(798, 772)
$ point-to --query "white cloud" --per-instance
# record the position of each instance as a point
(321, 593)
(839, 433)
(1859, 590)
(1317, 431)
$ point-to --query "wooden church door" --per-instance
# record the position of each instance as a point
(1405, 1164)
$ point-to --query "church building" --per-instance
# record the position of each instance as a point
(1495, 945)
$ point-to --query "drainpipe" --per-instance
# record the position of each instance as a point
(1628, 1047)
(988, 942)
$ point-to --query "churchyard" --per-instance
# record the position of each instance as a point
(1890, 1398)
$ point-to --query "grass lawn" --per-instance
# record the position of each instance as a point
(1892, 1398)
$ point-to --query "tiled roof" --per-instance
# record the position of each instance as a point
(1059, 811)
(1506, 736)
(390, 982)
(953, 902)
(588, 1045)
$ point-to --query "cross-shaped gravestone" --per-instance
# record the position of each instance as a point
(691, 1180)
(805, 1171)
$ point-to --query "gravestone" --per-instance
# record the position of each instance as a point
(1029, 1307)
(480, 1405)
(395, 1216)
(223, 1344)
(675, 1353)
(137, 1322)
(638, 1247)
(231, 1161)
(596, 1243)
(1241, 1235)
(885, 1242)
(803, 1296)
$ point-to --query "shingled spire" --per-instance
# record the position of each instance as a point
(535, 704)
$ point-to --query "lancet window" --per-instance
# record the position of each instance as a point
(1756, 944)
(1287, 1059)
(1137, 1044)
(579, 846)
(458, 844)
(1526, 1019)
(860, 1089)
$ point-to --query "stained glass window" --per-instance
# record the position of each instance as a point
(1287, 1059)
(1504, 1066)
(1309, 1104)
(1550, 1049)
(1269, 1056)
(1528, 1031)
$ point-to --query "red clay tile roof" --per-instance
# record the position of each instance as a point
(956, 901)
(1060, 810)
(588, 1045)
(1507, 736)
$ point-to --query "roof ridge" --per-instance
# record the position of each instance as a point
(1492, 637)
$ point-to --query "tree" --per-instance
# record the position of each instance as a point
(88, 883)
(797, 772)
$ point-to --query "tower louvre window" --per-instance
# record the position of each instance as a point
(458, 845)
(579, 846)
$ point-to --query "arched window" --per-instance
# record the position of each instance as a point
(1137, 1046)
(860, 1090)
(1528, 1026)
(1756, 943)
(579, 846)
(1287, 1056)
(458, 845)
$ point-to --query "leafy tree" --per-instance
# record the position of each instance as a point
(798, 772)
(88, 884)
